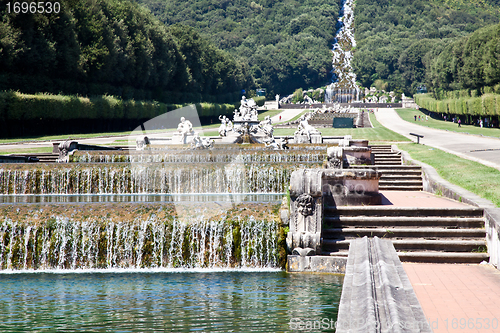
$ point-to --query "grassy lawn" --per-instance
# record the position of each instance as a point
(377, 133)
(27, 151)
(408, 115)
(472, 176)
(270, 113)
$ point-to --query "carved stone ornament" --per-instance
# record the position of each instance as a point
(305, 204)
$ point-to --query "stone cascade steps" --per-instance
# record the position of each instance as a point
(419, 235)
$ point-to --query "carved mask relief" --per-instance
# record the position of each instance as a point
(305, 204)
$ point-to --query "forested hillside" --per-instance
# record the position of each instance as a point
(113, 47)
(286, 43)
(397, 37)
(471, 63)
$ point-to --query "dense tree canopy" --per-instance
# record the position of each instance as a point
(115, 47)
(395, 36)
(285, 43)
(470, 63)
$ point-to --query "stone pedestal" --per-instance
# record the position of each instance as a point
(351, 187)
(358, 143)
(310, 189)
(344, 157)
(312, 138)
(306, 212)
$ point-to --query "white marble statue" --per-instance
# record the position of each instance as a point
(305, 129)
(223, 126)
(185, 128)
(201, 143)
(266, 126)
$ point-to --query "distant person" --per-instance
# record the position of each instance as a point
(280, 118)
(459, 123)
(418, 117)
(426, 118)
(415, 116)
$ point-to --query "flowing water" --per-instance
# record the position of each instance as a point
(186, 197)
(180, 301)
(146, 178)
(155, 242)
(139, 237)
(344, 88)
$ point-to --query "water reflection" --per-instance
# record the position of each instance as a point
(235, 301)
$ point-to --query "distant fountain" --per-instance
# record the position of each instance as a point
(344, 88)
(246, 127)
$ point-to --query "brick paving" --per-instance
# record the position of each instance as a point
(417, 199)
(457, 297)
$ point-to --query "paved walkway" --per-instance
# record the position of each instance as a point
(286, 115)
(457, 297)
(476, 148)
(418, 199)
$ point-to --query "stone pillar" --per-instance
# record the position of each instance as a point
(304, 237)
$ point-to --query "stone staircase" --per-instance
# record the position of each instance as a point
(440, 235)
(395, 175)
(383, 155)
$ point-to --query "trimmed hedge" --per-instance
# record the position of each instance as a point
(24, 114)
(456, 102)
(18, 106)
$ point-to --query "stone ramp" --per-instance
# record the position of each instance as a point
(377, 295)
(430, 234)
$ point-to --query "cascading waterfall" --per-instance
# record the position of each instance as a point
(147, 179)
(63, 242)
(201, 157)
(344, 88)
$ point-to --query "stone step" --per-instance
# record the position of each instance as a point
(400, 182)
(403, 176)
(400, 174)
(386, 154)
(401, 188)
(372, 211)
(428, 256)
(381, 146)
(383, 168)
(386, 157)
(409, 232)
(415, 245)
(404, 221)
(387, 162)
(444, 257)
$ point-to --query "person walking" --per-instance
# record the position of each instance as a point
(459, 123)
(415, 116)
